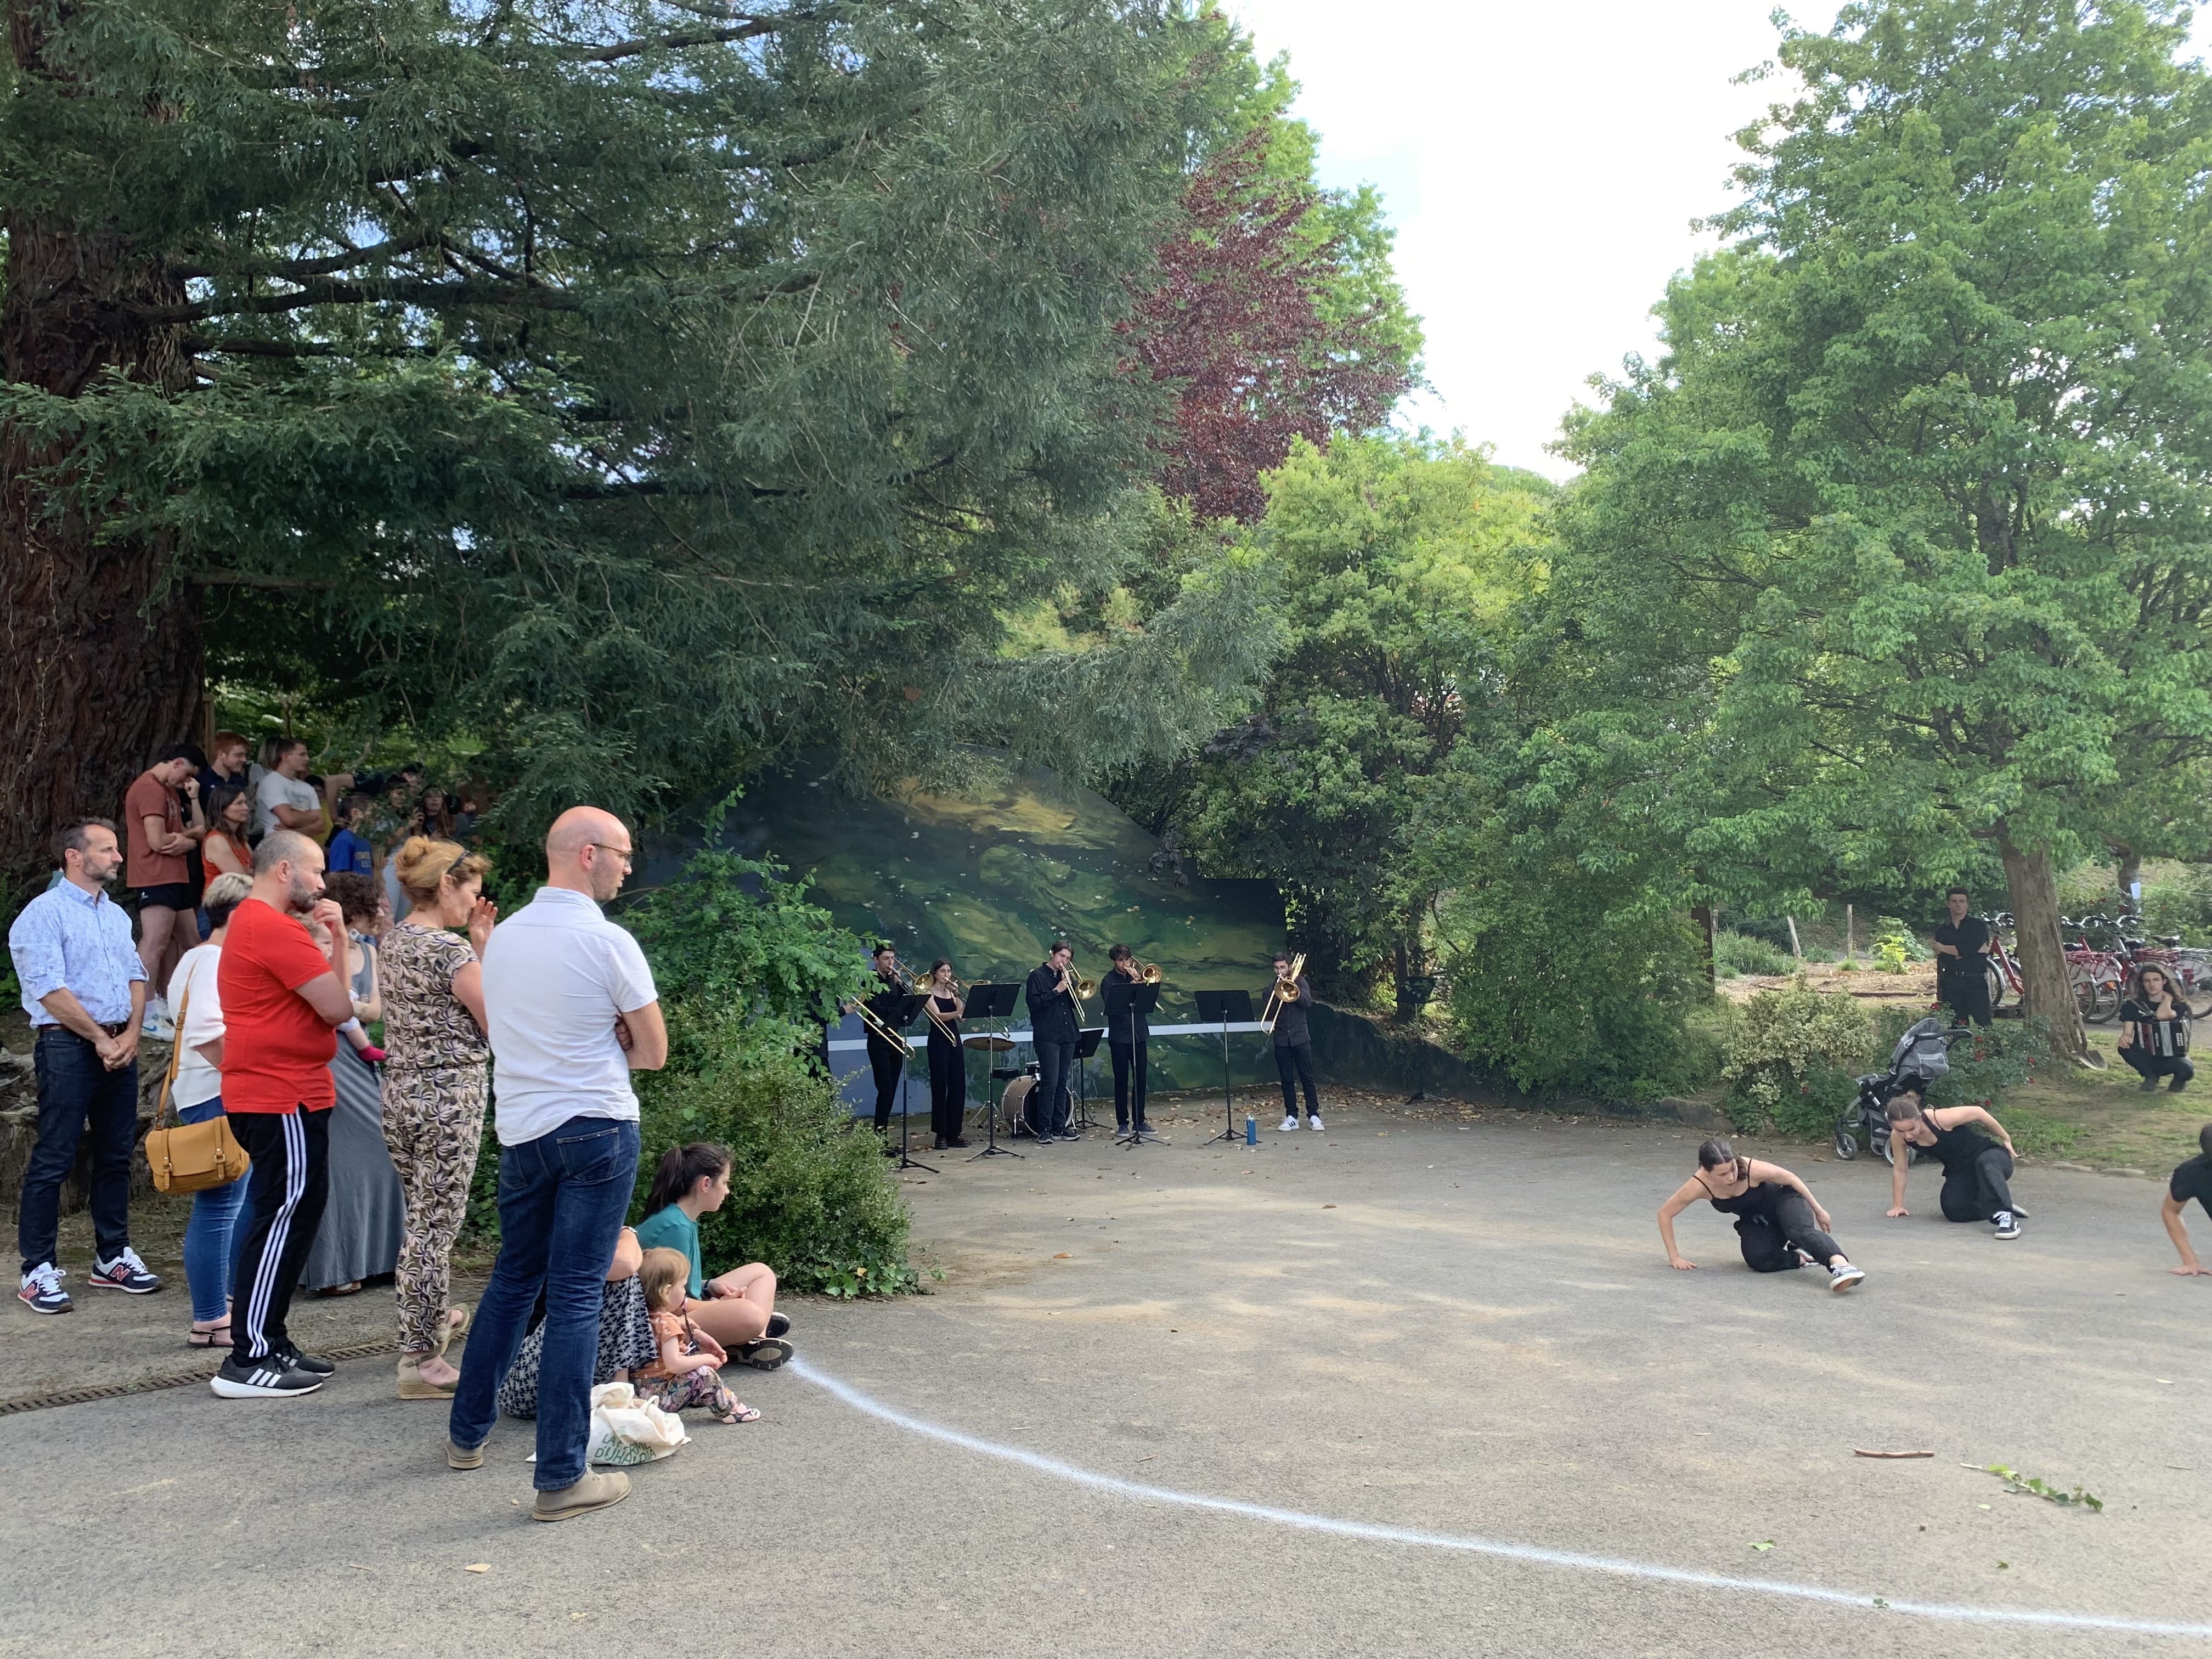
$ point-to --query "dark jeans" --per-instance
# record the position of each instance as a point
(1772, 1237)
(1128, 1083)
(2154, 1067)
(1966, 992)
(562, 1199)
(889, 1067)
(1055, 1065)
(75, 1088)
(1294, 1065)
(285, 1192)
(948, 1089)
(1977, 1191)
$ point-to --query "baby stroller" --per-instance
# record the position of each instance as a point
(1921, 1055)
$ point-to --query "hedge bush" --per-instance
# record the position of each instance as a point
(1792, 1054)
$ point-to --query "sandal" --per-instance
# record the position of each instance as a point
(764, 1355)
(457, 1324)
(351, 1287)
(216, 1336)
(744, 1414)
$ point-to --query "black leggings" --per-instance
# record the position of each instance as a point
(2154, 1067)
(1772, 1236)
(1977, 1191)
(1294, 1065)
(948, 1089)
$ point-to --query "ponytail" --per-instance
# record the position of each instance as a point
(681, 1168)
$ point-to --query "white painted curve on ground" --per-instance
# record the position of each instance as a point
(1464, 1544)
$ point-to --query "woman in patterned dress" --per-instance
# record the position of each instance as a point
(436, 1076)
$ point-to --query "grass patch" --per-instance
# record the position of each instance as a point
(2103, 1119)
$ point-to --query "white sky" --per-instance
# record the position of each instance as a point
(1541, 164)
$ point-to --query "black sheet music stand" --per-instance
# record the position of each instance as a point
(909, 1011)
(1086, 1048)
(992, 1002)
(1224, 1009)
(1145, 1000)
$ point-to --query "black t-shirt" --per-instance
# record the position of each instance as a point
(2193, 1179)
(1967, 937)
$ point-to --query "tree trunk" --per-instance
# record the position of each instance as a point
(2047, 991)
(2130, 872)
(100, 672)
(1702, 916)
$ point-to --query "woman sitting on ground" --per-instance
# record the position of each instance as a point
(738, 1308)
(1977, 1170)
(1779, 1223)
(2154, 1032)
(626, 1340)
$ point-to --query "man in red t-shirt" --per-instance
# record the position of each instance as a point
(157, 840)
(283, 980)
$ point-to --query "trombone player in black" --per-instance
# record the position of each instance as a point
(1127, 1027)
(1288, 998)
(1050, 992)
(885, 1060)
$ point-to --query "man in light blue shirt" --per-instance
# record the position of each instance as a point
(84, 989)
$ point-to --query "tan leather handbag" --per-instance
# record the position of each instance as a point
(190, 1158)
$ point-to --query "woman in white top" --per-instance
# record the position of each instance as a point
(197, 1094)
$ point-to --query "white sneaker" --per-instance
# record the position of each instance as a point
(1289, 1124)
(156, 1023)
(1314, 1123)
(1842, 1276)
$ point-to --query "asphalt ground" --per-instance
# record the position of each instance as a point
(1457, 1327)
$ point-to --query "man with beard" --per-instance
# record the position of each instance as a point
(284, 990)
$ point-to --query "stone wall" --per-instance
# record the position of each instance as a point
(19, 1128)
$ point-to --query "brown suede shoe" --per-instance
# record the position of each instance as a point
(596, 1491)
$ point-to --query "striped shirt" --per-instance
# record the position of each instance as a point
(68, 939)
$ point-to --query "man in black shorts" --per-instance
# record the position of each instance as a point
(2192, 1178)
(1962, 973)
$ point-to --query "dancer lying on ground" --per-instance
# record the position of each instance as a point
(737, 1310)
(2192, 1178)
(2154, 1032)
(1977, 1170)
(684, 1370)
(1779, 1223)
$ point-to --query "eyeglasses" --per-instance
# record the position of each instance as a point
(628, 859)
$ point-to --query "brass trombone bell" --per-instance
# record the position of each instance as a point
(1148, 973)
(1084, 988)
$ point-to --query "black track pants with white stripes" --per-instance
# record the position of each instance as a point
(284, 1197)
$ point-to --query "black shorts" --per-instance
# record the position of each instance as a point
(169, 895)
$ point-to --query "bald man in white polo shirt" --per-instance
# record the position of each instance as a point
(572, 1012)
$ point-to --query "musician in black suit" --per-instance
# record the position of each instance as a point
(885, 1061)
(1051, 994)
(1294, 1043)
(1127, 1028)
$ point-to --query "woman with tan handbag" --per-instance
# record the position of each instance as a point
(196, 1093)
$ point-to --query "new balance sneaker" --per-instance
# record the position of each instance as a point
(1842, 1276)
(270, 1377)
(313, 1363)
(2007, 1223)
(1313, 1121)
(42, 1291)
(125, 1272)
(1290, 1123)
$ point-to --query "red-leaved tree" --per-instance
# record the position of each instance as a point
(1240, 319)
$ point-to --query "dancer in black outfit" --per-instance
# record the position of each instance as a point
(1962, 969)
(1127, 1028)
(2192, 1178)
(885, 1061)
(948, 1071)
(1779, 1223)
(1050, 994)
(1294, 1045)
(2154, 1032)
(1977, 1170)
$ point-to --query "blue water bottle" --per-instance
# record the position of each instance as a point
(1251, 1130)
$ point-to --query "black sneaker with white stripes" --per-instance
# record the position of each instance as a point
(270, 1377)
(313, 1363)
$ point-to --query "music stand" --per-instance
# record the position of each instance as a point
(1224, 1009)
(1145, 999)
(908, 1011)
(1086, 1048)
(992, 1002)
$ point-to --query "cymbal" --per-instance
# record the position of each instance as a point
(997, 1045)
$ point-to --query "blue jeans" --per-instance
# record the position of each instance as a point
(73, 1089)
(210, 1250)
(561, 1200)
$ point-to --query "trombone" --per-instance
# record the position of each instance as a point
(1148, 973)
(1081, 987)
(873, 1021)
(1275, 994)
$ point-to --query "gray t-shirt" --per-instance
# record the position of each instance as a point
(277, 790)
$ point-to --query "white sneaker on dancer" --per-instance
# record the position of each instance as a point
(1842, 1276)
(1313, 1122)
(1289, 1123)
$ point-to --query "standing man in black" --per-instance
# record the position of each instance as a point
(1050, 994)
(1962, 973)
(1127, 1026)
(886, 1062)
(1294, 1045)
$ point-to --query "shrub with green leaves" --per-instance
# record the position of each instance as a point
(1736, 954)
(1790, 1057)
